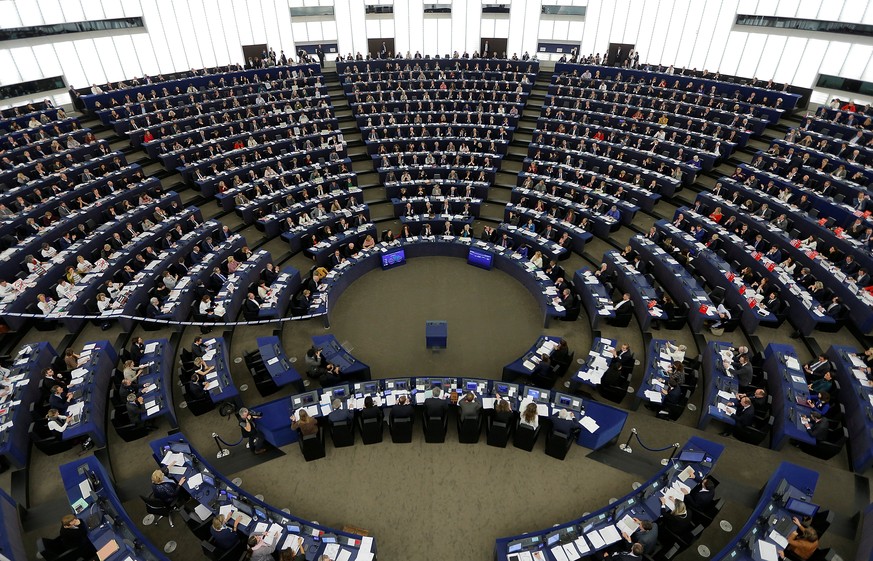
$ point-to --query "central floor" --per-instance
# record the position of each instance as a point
(492, 319)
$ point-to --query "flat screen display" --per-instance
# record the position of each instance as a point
(480, 258)
(393, 258)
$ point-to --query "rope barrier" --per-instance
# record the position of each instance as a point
(635, 435)
(652, 449)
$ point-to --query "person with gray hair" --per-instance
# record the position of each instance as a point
(338, 414)
(250, 430)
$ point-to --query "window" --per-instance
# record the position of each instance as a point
(32, 87)
(844, 84)
(66, 28)
(438, 9)
(563, 10)
(311, 11)
(379, 9)
(495, 8)
(798, 24)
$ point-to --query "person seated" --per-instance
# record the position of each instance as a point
(305, 424)
(823, 385)
(74, 535)
(370, 411)
(672, 394)
(803, 542)
(646, 536)
(165, 489)
(820, 402)
(530, 418)
(196, 386)
(338, 414)
(744, 416)
(402, 409)
(223, 537)
(470, 408)
(678, 522)
(625, 306)
(436, 406)
(701, 495)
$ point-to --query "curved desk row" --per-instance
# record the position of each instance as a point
(596, 297)
(628, 279)
(217, 495)
(596, 531)
(857, 396)
(158, 397)
(90, 388)
(788, 386)
(596, 364)
(343, 275)
(770, 522)
(25, 378)
(276, 362)
(334, 353)
(602, 423)
(93, 499)
(11, 542)
(523, 367)
(722, 384)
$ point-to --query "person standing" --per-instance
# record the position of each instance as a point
(250, 430)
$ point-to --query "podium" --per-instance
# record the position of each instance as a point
(436, 334)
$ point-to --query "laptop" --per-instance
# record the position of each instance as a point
(692, 456)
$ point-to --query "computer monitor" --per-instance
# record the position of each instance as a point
(339, 392)
(367, 387)
(533, 394)
(393, 258)
(304, 399)
(260, 513)
(552, 539)
(514, 547)
(802, 508)
(293, 529)
(328, 539)
(506, 389)
(692, 456)
(479, 258)
(242, 507)
(472, 386)
(397, 384)
(567, 401)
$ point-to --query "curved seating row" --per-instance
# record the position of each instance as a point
(341, 276)
(593, 532)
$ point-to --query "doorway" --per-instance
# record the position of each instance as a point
(493, 44)
(252, 55)
(618, 53)
(381, 48)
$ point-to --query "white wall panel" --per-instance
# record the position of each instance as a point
(242, 23)
(215, 27)
(8, 71)
(50, 11)
(128, 56)
(231, 34)
(813, 55)
(271, 25)
(856, 61)
(187, 32)
(401, 26)
(173, 35)
(201, 33)
(648, 10)
(604, 26)
(830, 10)
(109, 59)
(49, 64)
(589, 35)
(630, 26)
(145, 54)
(27, 64)
(752, 52)
(517, 15)
(93, 9)
(688, 41)
(808, 9)
(29, 12)
(720, 35)
(9, 14)
(112, 9)
(773, 52)
(72, 10)
(787, 8)
(730, 60)
(91, 63)
(131, 7)
(790, 60)
(283, 23)
(474, 16)
(155, 40)
(705, 24)
(255, 16)
(852, 10)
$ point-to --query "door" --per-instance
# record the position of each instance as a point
(381, 48)
(252, 55)
(618, 53)
(492, 45)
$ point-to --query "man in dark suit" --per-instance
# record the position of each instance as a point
(624, 357)
(817, 426)
(338, 414)
(251, 308)
(198, 349)
(153, 309)
(835, 308)
(636, 552)
(702, 495)
(59, 399)
(625, 306)
(402, 409)
(646, 535)
(816, 369)
(436, 406)
(773, 303)
(216, 280)
(137, 350)
(743, 416)
(743, 372)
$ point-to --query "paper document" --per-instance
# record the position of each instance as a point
(654, 397)
(595, 539)
(150, 348)
(627, 525)
(581, 545)
(558, 552)
(487, 403)
(686, 473)
(176, 458)
(203, 512)
(571, 551)
(344, 555)
(589, 424)
(292, 542)
(194, 481)
(767, 551)
(778, 539)
(610, 535)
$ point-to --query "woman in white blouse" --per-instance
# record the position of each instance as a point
(46, 305)
(83, 265)
(530, 417)
(56, 421)
(537, 259)
(102, 302)
(809, 244)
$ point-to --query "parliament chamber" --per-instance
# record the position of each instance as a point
(521, 280)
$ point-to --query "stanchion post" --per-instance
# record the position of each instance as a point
(675, 447)
(222, 452)
(626, 446)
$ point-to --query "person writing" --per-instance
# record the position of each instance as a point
(259, 549)
(803, 542)
(165, 489)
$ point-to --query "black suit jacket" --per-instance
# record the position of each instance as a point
(699, 498)
(436, 407)
(401, 412)
(251, 309)
(744, 417)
